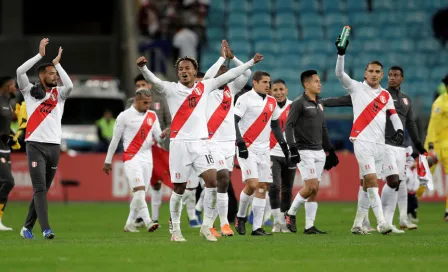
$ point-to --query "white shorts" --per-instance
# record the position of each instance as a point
(138, 173)
(187, 158)
(369, 156)
(311, 164)
(394, 162)
(223, 153)
(256, 166)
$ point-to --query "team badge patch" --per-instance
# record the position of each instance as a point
(197, 91)
(178, 175)
(405, 101)
(221, 162)
(53, 96)
(227, 93)
(383, 99)
(156, 106)
(34, 164)
(271, 107)
(248, 171)
(150, 121)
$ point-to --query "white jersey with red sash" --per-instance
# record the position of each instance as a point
(138, 130)
(256, 114)
(276, 150)
(44, 116)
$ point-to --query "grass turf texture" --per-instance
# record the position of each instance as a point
(90, 237)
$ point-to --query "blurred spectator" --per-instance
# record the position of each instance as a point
(440, 25)
(148, 20)
(185, 41)
(105, 130)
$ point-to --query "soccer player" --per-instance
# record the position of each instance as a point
(7, 92)
(221, 130)
(437, 135)
(138, 126)
(283, 171)
(307, 137)
(189, 152)
(160, 107)
(45, 106)
(254, 111)
(394, 161)
(371, 104)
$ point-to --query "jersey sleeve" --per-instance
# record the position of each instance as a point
(240, 107)
(156, 130)
(118, 133)
(295, 113)
(213, 70)
(392, 112)
(215, 83)
(22, 79)
(434, 122)
(342, 101)
(159, 85)
(348, 83)
(276, 114)
(240, 81)
(66, 81)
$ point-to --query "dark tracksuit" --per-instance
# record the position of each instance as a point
(6, 178)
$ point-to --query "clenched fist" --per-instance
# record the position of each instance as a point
(141, 61)
(258, 57)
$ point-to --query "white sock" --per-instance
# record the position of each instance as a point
(298, 200)
(403, 201)
(133, 211)
(190, 205)
(223, 207)
(389, 202)
(310, 212)
(200, 204)
(209, 206)
(156, 202)
(244, 204)
(258, 207)
(175, 210)
(375, 203)
(363, 207)
(143, 206)
(277, 216)
(267, 210)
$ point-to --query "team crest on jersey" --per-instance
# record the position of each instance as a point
(53, 96)
(227, 93)
(178, 175)
(157, 106)
(150, 121)
(221, 162)
(248, 171)
(197, 91)
(271, 107)
(405, 101)
(321, 108)
(383, 99)
(34, 164)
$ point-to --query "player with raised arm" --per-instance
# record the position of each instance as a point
(307, 137)
(283, 171)
(138, 126)
(256, 115)
(45, 105)
(189, 152)
(394, 163)
(371, 104)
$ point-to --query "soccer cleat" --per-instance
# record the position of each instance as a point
(198, 215)
(130, 228)
(176, 236)
(3, 227)
(406, 224)
(313, 230)
(48, 234)
(367, 226)
(194, 224)
(285, 229)
(139, 223)
(397, 231)
(240, 225)
(384, 228)
(26, 233)
(215, 232)
(226, 230)
(291, 222)
(277, 228)
(153, 226)
(170, 226)
(359, 231)
(260, 232)
(207, 234)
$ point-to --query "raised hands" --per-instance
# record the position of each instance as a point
(258, 57)
(229, 52)
(141, 61)
(42, 45)
(58, 57)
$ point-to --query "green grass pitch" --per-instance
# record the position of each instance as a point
(89, 237)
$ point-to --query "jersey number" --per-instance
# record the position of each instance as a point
(375, 106)
(265, 119)
(209, 159)
(225, 105)
(45, 107)
(282, 125)
(192, 102)
(142, 133)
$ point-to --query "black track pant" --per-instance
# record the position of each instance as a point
(283, 179)
(6, 180)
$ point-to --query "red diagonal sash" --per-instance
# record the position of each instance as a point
(41, 112)
(282, 120)
(186, 109)
(220, 113)
(260, 123)
(140, 137)
(369, 113)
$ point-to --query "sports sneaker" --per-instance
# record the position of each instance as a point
(26, 233)
(395, 230)
(226, 230)
(291, 222)
(367, 226)
(359, 231)
(130, 228)
(285, 229)
(277, 228)
(406, 224)
(176, 236)
(260, 232)
(194, 224)
(240, 225)
(170, 226)
(4, 228)
(413, 218)
(207, 234)
(384, 228)
(48, 234)
(215, 232)
(152, 226)
(313, 230)
(139, 223)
